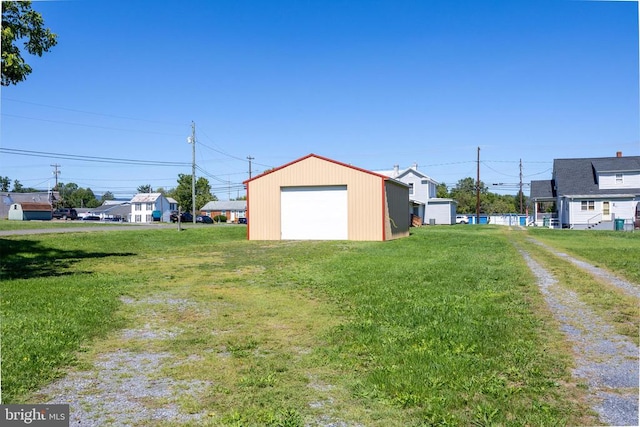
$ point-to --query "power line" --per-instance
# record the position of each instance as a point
(90, 126)
(89, 158)
(90, 112)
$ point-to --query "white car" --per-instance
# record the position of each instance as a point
(462, 219)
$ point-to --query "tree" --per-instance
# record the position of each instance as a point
(145, 189)
(20, 21)
(182, 193)
(17, 187)
(83, 198)
(75, 197)
(5, 183)
(441, 191)
(107, 196)
(465, 194)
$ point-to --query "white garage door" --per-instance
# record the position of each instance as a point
(314, 213)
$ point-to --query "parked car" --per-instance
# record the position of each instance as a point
(462, 219)
(242, 220)
(184, 217)
(65, 213)
(203, 219)
(91, 218)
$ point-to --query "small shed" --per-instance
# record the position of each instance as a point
(441, 211)
(27, 211)
(316, 198)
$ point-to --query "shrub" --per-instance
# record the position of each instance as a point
(220, 218)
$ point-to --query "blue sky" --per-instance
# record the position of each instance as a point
(370, 83)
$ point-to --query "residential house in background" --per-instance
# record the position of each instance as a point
(422, 193)
(112, 211)
(173, 204)
(232, 209)
(149, 207)
(589, 193)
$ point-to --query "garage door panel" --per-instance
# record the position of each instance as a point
(314, 213)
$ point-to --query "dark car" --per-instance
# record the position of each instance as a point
(65, 213)
(91, 218)
(184, 217)
(242, 220)
(203, 219)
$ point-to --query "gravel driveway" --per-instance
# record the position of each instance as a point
(604, 360)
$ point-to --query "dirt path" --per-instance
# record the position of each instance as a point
(607, 362)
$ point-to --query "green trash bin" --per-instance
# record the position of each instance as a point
(619, 223)
(545, 222)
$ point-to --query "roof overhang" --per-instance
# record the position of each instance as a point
(601, 196)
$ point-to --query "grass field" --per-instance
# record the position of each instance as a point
(614, 250)
(445, 327)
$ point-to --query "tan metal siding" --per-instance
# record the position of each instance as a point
(365, 197)
(397, 210)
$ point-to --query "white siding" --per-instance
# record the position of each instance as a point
(608, 181)
(623, 209)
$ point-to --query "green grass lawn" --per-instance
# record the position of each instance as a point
(445, 327)
(616, 251)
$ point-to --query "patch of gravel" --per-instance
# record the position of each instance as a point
(625, 286)
(607, 362)
(124, 388)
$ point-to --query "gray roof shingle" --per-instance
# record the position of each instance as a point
(542, 189)
(579, 176)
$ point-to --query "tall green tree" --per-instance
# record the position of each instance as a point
(74, 196)
(5, 183)
(145, 189)
(441, 191)
(20, 23)
(17, 187)
(465, 194)
(107, 196)
(182, 193)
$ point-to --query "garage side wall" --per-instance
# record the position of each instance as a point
(364, 197)
(397, 210)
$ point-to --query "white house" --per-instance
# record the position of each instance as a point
(149, 207)
(590, 192)
(422, 191)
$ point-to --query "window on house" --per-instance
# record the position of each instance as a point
(148, 218)
(411, 188)
(149, 206)
(138, 218)
(138, 207)
(588, 205)
(619, 179)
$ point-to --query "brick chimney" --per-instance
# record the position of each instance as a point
(619, 154)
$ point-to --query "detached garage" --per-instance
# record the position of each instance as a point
(316, 198)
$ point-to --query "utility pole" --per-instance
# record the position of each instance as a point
(478, 191)
(520, 186)
(56, 172)
(250, 158)
(192, 140)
